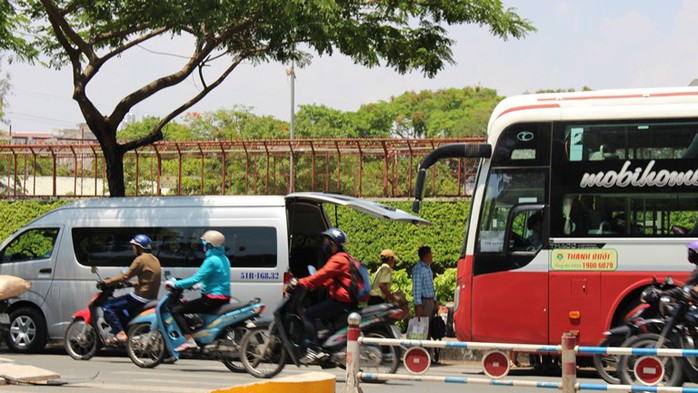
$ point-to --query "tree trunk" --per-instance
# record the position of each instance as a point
(114, 159)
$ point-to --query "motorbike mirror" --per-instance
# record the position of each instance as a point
(93, 269)
(654, 280)
(168, 274)
(311, 269)
(669, 280)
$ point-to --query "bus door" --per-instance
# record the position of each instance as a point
(510, 282)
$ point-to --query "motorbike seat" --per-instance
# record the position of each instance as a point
(226, 308)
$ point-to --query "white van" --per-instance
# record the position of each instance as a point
(269, 239)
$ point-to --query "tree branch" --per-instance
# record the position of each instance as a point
(125, 105)
(156, 133)
(110, 35)
(55, 14)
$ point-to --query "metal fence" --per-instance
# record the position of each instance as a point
(379, 168)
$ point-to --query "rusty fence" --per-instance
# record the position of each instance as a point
(374, 168)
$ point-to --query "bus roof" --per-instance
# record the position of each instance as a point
(667, 102)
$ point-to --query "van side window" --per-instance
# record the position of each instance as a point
(31, 245)
(175, 246)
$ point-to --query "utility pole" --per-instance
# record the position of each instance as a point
(292, 73)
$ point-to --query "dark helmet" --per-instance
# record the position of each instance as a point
(337, 236)
(693, 252)
(142, 241)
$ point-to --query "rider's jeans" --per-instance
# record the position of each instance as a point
(120, 309)
(327, 309)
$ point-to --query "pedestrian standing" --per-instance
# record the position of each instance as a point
(423, 285)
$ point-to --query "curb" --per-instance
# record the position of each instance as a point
(315, 382)
(24, 373)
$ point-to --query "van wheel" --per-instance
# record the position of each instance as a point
(27, 330)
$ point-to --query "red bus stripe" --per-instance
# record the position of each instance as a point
(527, 107)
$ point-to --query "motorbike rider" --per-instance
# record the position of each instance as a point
(213, 278)
(336, 276)
(147, 267)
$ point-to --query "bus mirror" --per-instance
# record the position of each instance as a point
(451, 150)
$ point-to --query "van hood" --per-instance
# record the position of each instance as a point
(369, 207)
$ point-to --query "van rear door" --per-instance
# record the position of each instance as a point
(372, 208)
(308, 218)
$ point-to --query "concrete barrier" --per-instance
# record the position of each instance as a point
(316, 382)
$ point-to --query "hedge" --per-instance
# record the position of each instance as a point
(367, 236)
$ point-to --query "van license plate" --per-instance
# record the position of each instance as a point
(4, 318)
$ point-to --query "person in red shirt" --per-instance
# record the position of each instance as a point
(335, 275)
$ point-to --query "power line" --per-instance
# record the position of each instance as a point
(40, 118)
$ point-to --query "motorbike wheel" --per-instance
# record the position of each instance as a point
(606, 365)
(230, 355)
(81, 342)
(673, 372)
(262, 353)
(145, 347)
(689, 363)
(387, 356)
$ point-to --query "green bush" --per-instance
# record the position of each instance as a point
(16, 214)
(367, 237)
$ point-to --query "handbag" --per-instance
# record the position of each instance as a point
(417, 328)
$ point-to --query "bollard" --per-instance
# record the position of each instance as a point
(351, 384)
(569, 363)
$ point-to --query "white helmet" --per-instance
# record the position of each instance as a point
(214, 238)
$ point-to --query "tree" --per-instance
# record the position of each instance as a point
(86, 34)
(4, 91)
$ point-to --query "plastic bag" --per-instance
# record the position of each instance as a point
(418, 328)
(11, 286)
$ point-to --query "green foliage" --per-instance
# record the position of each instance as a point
(14, 26)
(236, 123)
(15, 214)
(369, 235)
(5, 87)
(445, 284)
(173, 131)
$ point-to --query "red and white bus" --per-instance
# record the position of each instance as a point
(572, 211)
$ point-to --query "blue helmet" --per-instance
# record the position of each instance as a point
(337, 236)
(142, 241)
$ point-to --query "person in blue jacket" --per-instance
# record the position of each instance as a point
(213, 279)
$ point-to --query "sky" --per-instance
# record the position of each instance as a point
(596, 43)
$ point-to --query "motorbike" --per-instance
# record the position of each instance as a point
(89, 331)
(270, 342)
(644, 319)
(154, 333)
(680, 330)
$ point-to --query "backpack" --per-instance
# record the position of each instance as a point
(437, 328)
(360, 287)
